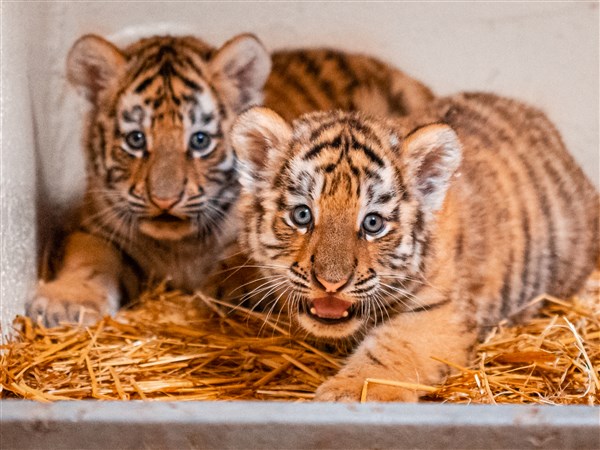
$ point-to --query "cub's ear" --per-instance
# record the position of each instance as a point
(240, 69)
(94, 64)
(259, 137)
(431, 154)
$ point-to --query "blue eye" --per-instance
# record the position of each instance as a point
(373, 223)
(136, 140)
(301, 216)
(200, 144)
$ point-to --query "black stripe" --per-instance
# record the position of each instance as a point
(316, 149)
(144, 67)
(189, 83)
(260, 213)
(368, 151)
(384, 198)
(192, 65)
(526, 229)
(396, 102)
(297, 272)
(101, 151)
(402, 190)
(375, 360)
(365, 280)
(222, 111)
(419, 225)
(590, 254)
(505, 291)
(314, 69)
(556, 182)
(539, 278)
(357, 124)
(527, 288)
(563, 202)
(541, 281)
(277, 89)
(345, 69)
(303, 179)
(362, 291)
(292, 82)
(472, 122)
(145, 83)
(281, 175)
(324, 127)
(372, 174)
(115, 175)
(459, 246)
(130, 116)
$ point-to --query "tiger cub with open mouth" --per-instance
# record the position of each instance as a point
(410, 237)
(162, 178)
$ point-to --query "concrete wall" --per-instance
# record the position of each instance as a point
(17, 167)
(91, 424)
(544, 53)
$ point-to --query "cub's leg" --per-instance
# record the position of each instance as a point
(401, 350)
(87, 285)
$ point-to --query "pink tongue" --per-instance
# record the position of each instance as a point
(330, 307)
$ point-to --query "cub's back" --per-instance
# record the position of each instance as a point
(302, 81)
(529, 213)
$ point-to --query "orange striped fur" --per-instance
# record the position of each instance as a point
(412, 237)
(162, 178)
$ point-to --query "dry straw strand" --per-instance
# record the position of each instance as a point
(190, 347)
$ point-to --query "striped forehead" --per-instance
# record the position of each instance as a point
(169, 84)
(342, 164)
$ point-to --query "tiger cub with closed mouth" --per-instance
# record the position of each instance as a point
(412, 236)
(162, 179)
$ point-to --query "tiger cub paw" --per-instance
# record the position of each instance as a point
(68, 301)
(348, 387)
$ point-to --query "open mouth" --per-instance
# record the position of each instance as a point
(168, 218)
(330, 310)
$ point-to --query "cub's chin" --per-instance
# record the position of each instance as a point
(329, 329)
(166, 227)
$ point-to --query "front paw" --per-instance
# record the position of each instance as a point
(351, 387)
(340, 389)
(68, 301)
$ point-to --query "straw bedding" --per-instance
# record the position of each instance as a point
(176, 347)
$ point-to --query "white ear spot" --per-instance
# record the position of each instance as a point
(431, 156)
(260, 138)
(241, 68)
(94, 64)
(246, 172)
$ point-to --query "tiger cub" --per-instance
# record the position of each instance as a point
(162, 181)
(303, 81)
(411, 236)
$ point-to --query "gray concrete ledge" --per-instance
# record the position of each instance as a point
(260, 425)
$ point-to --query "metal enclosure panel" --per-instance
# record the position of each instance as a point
(262, 425)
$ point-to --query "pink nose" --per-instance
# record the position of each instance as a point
(165, 203)
(331, 287)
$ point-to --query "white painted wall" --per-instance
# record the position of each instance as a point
(17, 169)
(544, 53)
